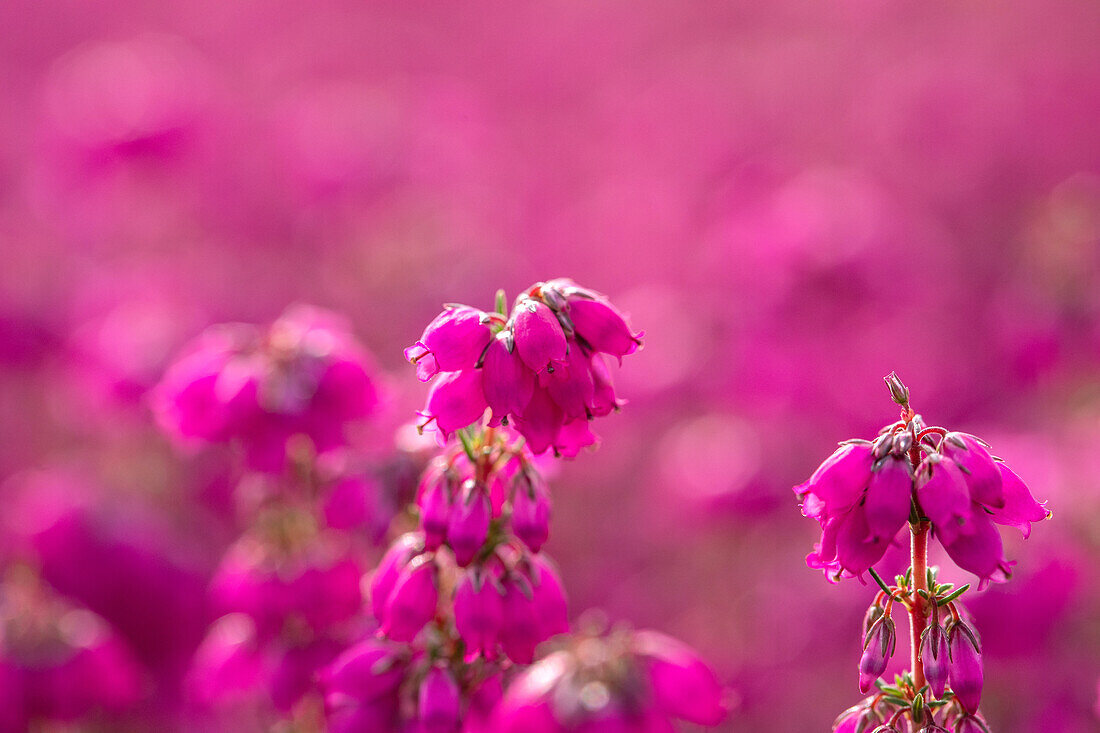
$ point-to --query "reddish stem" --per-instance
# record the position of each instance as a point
(918, 618)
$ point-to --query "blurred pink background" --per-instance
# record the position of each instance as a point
(791, 200)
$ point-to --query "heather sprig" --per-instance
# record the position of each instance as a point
(941, 483)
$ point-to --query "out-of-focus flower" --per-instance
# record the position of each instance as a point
(539, 368)
(625, 681)
(304, 374)
(965, 666)
(59, 662)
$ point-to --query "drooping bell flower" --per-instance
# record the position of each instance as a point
(438, 702)
(384, 578)
(878, 647)
(601, 326)
(934, 656)
(943, 495)
(452, 342)
(982, 478)
(604, 401)
(683, 686)
(412, 604)
(572, 387)
(360, 687)
(455, 401)
(468, 527)
(551, 606)
(370, 669)
(1020, 508)
(479, 612)
(435, 504)
(507, 382)
(539, 337)
(889, 496)
(520, 631)
(979, 550)
(860, 717)
(965, 667)
(531, 512)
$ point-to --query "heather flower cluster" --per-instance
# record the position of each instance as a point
(866, 491)
(540, 368)
(942, 483)
(256, 388)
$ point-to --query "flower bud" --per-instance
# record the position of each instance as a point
(602, 326)
(539, 337)
(531, 512)
(404, 549)
(878, 646)
(469, 524)
(413, 601)
(898, 391)
(971, 724)
(934, 657)
(506, 380)
(965, 668)
(479, 611)
(438, 702)
(452, 342)
(434, 502)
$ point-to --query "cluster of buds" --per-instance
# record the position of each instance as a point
(465, 596)
(622, 681)
(940, 482)
(539, 368)
(256, 388)
(949, 653)
(894, 707)
(864, 493)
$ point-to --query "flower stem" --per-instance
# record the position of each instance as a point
(918, 618)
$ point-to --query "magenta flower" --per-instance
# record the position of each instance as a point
(452, 342)
(412, 604)
(384, 578)
(479, 612)
(360, 686)
(438, 702)
(540, 340)
(468, 527)
(257, 388)
(649, 680)
(435, 504)
(551, 607)
(455, 400)
(531, 513)
(507, 382)
(539, 369)
(684, 687)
